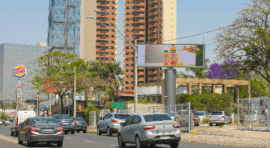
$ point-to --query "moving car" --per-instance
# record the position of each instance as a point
(36, 129)
(110, 123)
(8, 122)
(219, 117)
(144, 129)
(182, 117)
(202, 115)
(81, 125)
(20, 117)
(66, 122)
(1, 122)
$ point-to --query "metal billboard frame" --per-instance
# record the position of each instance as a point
(175, 66)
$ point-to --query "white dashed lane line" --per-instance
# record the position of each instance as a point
(114, 145)
(89, 141)
(68, 137)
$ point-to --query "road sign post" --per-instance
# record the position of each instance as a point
(118, 105)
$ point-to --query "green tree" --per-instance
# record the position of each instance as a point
(4, 106)
(247, 40)
(199, 72)
(89, 109)
(3, 116)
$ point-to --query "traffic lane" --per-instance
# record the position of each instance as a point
(84, 140)
(6, 144)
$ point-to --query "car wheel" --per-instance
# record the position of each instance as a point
(152, 145)
(98, 131)
(120, 141)
(12, 133)
(27, 143)
(78, 131)
(66, 132)
(174, 145)
(84, 131)
(217, 124)
(59, 143)
(19, 141)
(109, 132)
(72, 131)
(139, 143)
(16, 133)
(210, 124)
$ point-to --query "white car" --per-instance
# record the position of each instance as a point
(1, 122)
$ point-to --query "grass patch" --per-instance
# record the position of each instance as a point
(92, 132)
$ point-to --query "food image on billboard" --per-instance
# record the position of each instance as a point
(170, 55)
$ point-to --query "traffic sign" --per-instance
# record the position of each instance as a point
(118, 105)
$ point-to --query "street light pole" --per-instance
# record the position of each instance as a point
(136, 79)
(74, 98)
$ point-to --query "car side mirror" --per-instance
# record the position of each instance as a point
(122, 124)
(100, 118)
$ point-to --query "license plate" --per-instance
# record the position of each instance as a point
(47, 130)
(165, 137)
(65, 123)
(79, 124)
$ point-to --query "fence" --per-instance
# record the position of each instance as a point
(253, 114)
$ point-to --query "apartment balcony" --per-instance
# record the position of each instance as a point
(129, 22)
(129, 56)
(101, 27)
(109, 56)
(110, 22)
(100, 56)
(98, 32)
(140, 73)
(140, 27)
(140, 33)
(155, 72)
(110, 50)
(110, 10)
(129, 27)
(129, 39)
(155, 7)
(154, 1)
(127, 45)
(102, 39)
(140, 21)
(110, 16)
(130, 5)
(129, 85)
(129, 73)
(129, 50)
(140, 4)
(129, 16)
(141, 79)
(101, 4)
(139, 10)
(129, 10)
(98, 50)
(129, 67)
(129, 62)
(109, 33)
(129, 79)
(110, 44)
(98, 44)
(100, 16)
(110, 5)
(140, 39)
(140, 68)
(155, 18)
(141, 15)
(129, 33)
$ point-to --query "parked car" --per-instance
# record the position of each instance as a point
(219, 117)
(18, 118)
(1, 122)
(37, 129)
(202, 115)
(81, 125)
(110, 123)
(66, 122)
(182, 117)
(8, 122)
(144, 129)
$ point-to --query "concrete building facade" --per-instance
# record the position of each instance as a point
(147, 22)
(12, 55)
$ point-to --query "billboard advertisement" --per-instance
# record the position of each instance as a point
(19, 71)
(171, 55)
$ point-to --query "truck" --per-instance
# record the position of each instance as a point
(20, 117)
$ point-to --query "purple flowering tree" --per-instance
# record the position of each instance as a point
(227, 70)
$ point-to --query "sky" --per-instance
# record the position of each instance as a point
(26, 21)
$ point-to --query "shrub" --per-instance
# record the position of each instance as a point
(205, 121)
(211, 102)
(89, 109)
(3, 116)
(181, 98)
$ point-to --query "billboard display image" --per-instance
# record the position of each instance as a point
(171, 55)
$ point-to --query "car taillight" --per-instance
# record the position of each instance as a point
(176, 126)
(17, 122)
(114, 120)
(149, 127)
(85, 123)
(33, 129)
(222, 117)
(73, 123)
(60, 129)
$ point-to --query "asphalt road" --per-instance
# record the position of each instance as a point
(80, 140)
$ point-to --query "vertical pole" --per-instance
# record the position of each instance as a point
(136, 78)
(267, 114)
(50, 104)
(37, 108)
(238, 114)
(189, 119)
(170, 87)
(74, 98)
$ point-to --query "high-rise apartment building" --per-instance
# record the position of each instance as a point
(71, 29)
(147, 22)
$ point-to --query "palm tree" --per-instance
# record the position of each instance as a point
(4, 106)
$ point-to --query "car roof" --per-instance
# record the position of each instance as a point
(41, 118)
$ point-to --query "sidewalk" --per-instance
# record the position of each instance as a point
(228, 137)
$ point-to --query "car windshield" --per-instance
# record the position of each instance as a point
(216, 113)
(156, 117)
(78, 119)
(44, 121)
(117, 116)
(200, 113)
(63, 117)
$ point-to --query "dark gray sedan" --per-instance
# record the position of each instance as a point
(81, 125)
(36, 129)
(66, 122)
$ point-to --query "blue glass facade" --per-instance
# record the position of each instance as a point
(64, 25)
(12, 55)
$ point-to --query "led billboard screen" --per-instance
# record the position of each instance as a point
(171, 55)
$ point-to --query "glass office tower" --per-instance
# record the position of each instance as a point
(64, 25)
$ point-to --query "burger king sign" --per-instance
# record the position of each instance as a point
(19, 71)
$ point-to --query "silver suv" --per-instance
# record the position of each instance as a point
(110, 123)
(144, 129)
(219, 117)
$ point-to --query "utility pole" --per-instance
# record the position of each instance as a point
(74, 98)
(136, 78)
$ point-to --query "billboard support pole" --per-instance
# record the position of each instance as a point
(170, 87)
(136, 78)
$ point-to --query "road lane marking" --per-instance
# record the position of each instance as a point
(114, 145)
(68, 137)
(89, 141)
